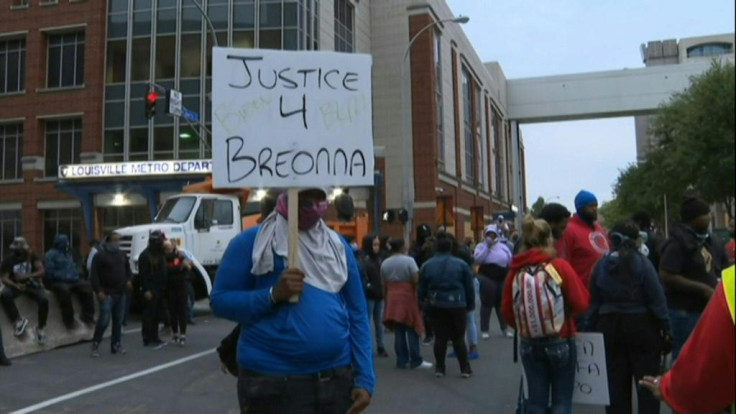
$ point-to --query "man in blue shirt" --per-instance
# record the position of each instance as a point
(312, 356)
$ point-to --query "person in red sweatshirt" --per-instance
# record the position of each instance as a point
(549, 362)
(702, 378)
(584, 241)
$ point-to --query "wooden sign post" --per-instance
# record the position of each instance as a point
(293, 198)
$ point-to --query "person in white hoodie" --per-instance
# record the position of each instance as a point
(492, 257)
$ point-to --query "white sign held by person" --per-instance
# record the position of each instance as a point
(591, 374)
(291, 119)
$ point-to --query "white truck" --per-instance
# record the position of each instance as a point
(201, 225)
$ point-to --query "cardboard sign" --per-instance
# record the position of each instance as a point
(591, 374)
(291, 119)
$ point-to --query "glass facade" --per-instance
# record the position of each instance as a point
(710, 49)
(167, 42)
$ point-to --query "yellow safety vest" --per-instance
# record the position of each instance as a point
(728, 280)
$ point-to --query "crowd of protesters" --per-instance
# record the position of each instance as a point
(105, 275)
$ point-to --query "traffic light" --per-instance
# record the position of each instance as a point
(151, 98)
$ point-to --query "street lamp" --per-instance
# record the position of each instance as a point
(408, 184)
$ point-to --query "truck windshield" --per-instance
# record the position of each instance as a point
(175, 210)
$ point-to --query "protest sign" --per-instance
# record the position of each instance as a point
(591, 374)
(291, 119)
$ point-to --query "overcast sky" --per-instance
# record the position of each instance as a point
(543, 37)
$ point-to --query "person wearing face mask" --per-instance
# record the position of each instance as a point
(584, 241)
(310, 356)
(63, 279)
(690, 264)
(22, 273)
(177, 268)
(110, 277)
(492, 257)
(153, 275)
(370, 265)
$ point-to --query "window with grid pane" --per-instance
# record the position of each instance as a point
(65, 60)
(12, 65)
(468, 128)
(11, 151)
(10, 221)
(438, 96)
(63, 221)
(63, 144)
(344, 30)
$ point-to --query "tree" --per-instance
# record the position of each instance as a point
(537, 207)
(694, 150)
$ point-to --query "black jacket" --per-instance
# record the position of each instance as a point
(371, 271)
(110, 271)
(152, 271)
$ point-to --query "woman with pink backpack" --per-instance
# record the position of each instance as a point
(541, 298)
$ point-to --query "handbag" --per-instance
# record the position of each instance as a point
(228, 352)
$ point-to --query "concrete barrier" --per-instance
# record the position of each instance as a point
(56, 333)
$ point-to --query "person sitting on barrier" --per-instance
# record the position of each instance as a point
(22, 272)
(63, 279)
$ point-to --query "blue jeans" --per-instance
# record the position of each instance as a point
(471, 330)
(112, 306)
(406, 356)
(549, 364)
(683, 323)
(375, 311)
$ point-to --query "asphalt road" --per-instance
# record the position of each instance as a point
(173, 380)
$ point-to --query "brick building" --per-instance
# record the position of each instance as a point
(74, 74)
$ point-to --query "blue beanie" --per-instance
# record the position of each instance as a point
(584, 199)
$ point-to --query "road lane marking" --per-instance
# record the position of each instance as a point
(110, 383)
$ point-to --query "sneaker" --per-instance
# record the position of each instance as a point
(485, 336)
(428, 341)
(95, 350)
(158, 344)
(467, 374)
(382, 353)
(424, 365)
(40, 335)
(473, 355)
(20, 326)
(182, 341)
(439, 373)
(4, 361)
(508, 333)
(118, 349)
(175, 339)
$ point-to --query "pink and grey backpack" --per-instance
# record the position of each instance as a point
(539, 306)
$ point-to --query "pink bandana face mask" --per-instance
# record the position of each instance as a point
(309, 213)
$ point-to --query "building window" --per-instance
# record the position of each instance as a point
(65, 60)
(468, 127)
(63, 221)
(496, 136)
(12, 65)
(344, 26)
(710, 49)
(10, 222)
(11, 151)
(438, 96)
(63, 144)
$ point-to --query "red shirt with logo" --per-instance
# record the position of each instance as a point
(582, 245)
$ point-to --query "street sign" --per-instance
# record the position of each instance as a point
(191, 116)
(174, 106)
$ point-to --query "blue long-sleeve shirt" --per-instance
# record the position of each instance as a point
(637, 293)
(322, 331)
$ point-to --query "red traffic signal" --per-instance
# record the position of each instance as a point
(151, 99)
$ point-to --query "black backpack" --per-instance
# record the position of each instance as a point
(228, 352)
